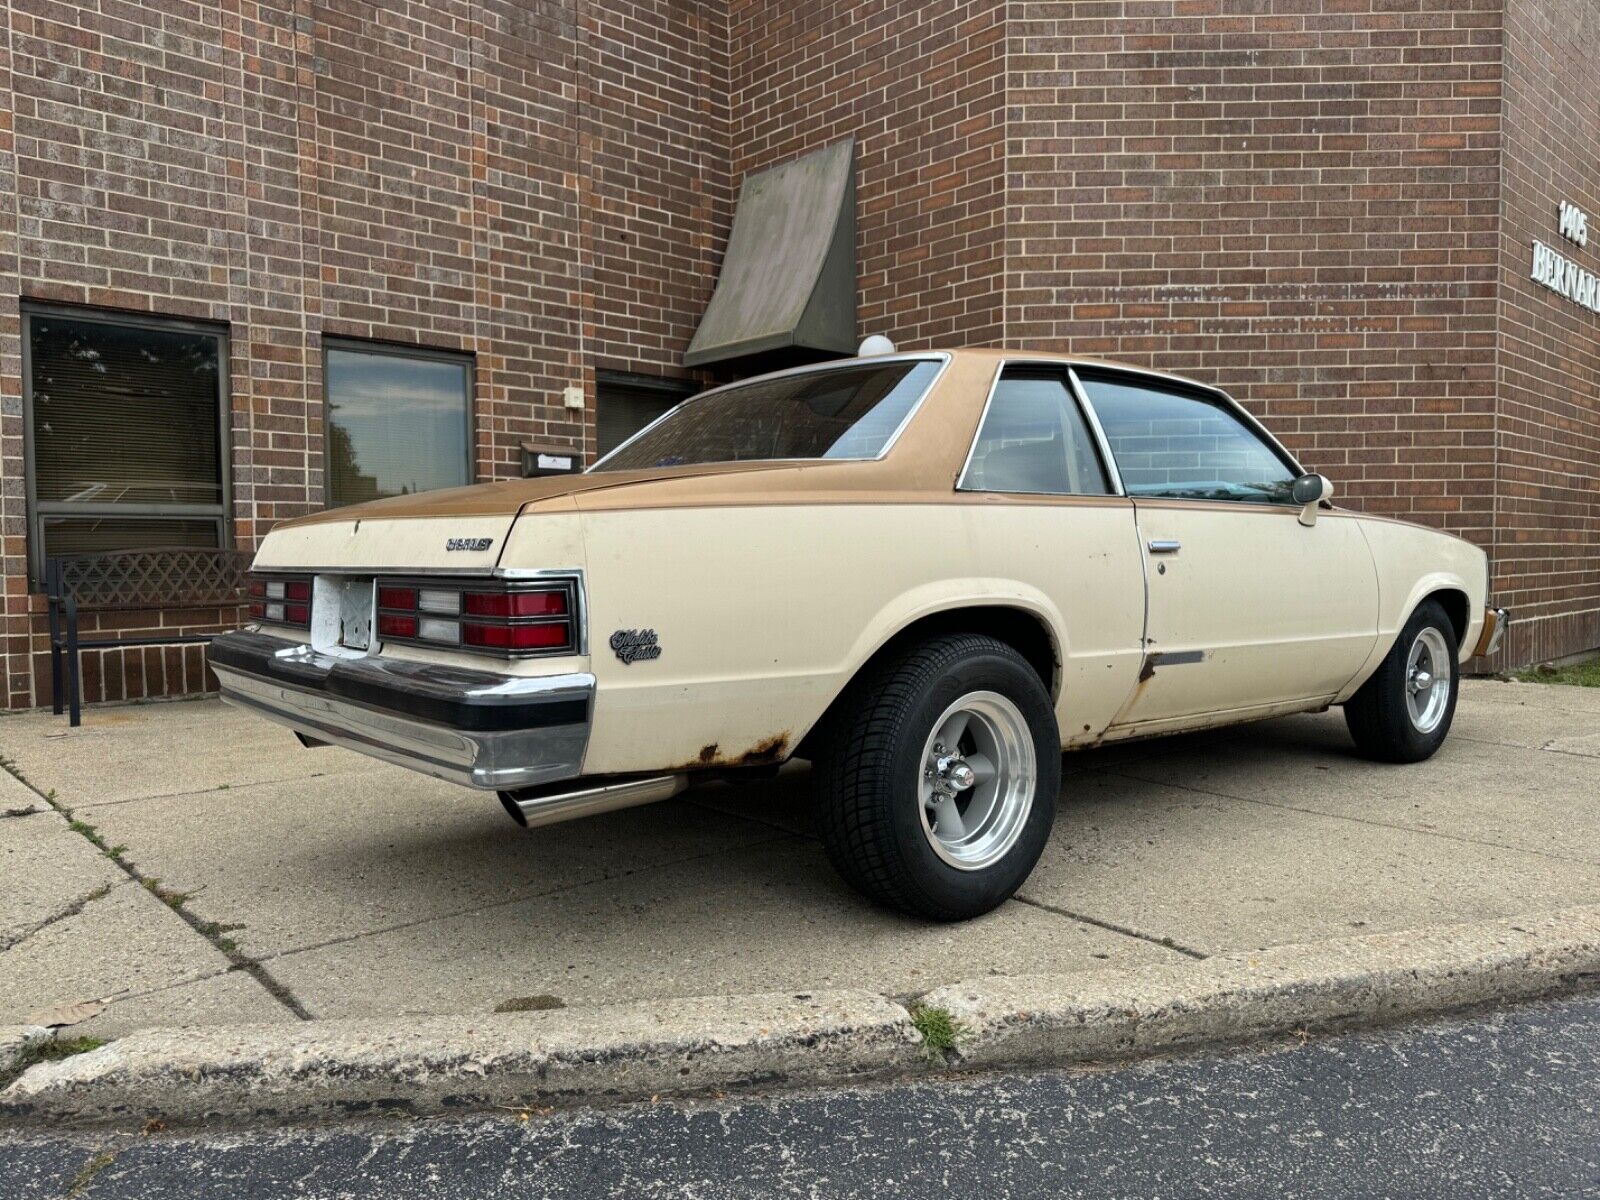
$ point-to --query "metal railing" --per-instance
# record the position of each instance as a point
(149, 580)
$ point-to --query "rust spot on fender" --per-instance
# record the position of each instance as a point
(770, 751)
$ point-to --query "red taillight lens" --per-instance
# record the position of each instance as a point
(515, 637)
(516, 604)
(397, 597)
(392, 626)
(279, 600)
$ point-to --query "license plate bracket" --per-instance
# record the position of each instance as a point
(342, 614)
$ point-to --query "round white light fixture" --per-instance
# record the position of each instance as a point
(874, 345)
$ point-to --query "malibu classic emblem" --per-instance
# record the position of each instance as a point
(468, 543)
(634, 645)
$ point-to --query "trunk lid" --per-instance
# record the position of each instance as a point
(459, 530)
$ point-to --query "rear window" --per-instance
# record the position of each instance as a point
(842, 413)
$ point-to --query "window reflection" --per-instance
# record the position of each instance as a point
(397, 424)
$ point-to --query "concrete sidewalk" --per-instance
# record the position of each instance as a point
(216, 873)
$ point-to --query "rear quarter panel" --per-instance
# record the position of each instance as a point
(764, 613)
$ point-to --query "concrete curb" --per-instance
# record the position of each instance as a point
(1322, 985)
(14, 1043)
(325, 1069)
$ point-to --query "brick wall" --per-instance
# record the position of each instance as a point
(921, 85)
(1298, 202)
(1547, 543)
(536, 182)
(16, 682)
(1294, 202)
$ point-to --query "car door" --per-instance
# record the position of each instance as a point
(1247, 607)
(1050, 519)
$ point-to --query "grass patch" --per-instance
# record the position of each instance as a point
(86, 1173)
(540, 1003)
(50, 1051)
(938, 1028)
(171, 897)
(1584, 674)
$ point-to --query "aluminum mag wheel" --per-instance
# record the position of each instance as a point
(978, 780)
(1402, 713)
(936, 776)
(1428, 680)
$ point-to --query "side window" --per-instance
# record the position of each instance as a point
(1188, 446)
(1034, 439)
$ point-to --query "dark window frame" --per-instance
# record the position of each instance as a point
(670, 390)
(221, 513)
(465, 359)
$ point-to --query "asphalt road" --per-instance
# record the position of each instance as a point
(1506, 1104)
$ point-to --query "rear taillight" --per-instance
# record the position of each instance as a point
(512, 620)
(280, 599)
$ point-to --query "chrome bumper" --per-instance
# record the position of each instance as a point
(476, 728)
(1495, 623)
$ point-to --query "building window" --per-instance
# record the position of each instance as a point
(399, 421)
(126, 421)
(625, 404)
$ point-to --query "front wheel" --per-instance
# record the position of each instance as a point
(937, 778)
(1403, 712)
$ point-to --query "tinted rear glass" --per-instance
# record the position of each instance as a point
(848, 412)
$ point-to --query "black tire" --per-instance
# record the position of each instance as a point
(868, 770)
(1378, 716)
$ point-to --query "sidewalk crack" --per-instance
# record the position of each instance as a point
(62, 914)
(1165, 943)
(209, 930)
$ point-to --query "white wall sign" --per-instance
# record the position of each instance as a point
(1574, 224)
(1558, 272)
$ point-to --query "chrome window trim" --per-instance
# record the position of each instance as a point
(1100, 439)
(1113, 476)
(1223, 400)
(942, 357)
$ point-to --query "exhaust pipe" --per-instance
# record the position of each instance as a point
(533, 807)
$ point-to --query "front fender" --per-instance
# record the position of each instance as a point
(1413, 563)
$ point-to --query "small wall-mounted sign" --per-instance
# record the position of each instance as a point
(549, 460)
(1558, 272)
(1574, 223)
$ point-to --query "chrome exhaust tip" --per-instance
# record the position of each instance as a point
(533, 807)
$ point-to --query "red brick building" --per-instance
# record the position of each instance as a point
(1328, 207)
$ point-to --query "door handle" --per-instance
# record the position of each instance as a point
(1165, 546)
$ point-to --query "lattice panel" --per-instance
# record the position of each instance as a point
(181, 577)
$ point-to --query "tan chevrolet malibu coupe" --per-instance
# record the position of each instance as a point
(928, 574)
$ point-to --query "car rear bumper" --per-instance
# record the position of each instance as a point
(476, 728)
(1495, 623)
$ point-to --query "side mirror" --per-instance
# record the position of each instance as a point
(1309, 491)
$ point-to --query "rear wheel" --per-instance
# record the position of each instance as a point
(938, 777)
(1404, 711)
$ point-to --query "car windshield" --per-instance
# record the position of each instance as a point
(841, 413)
